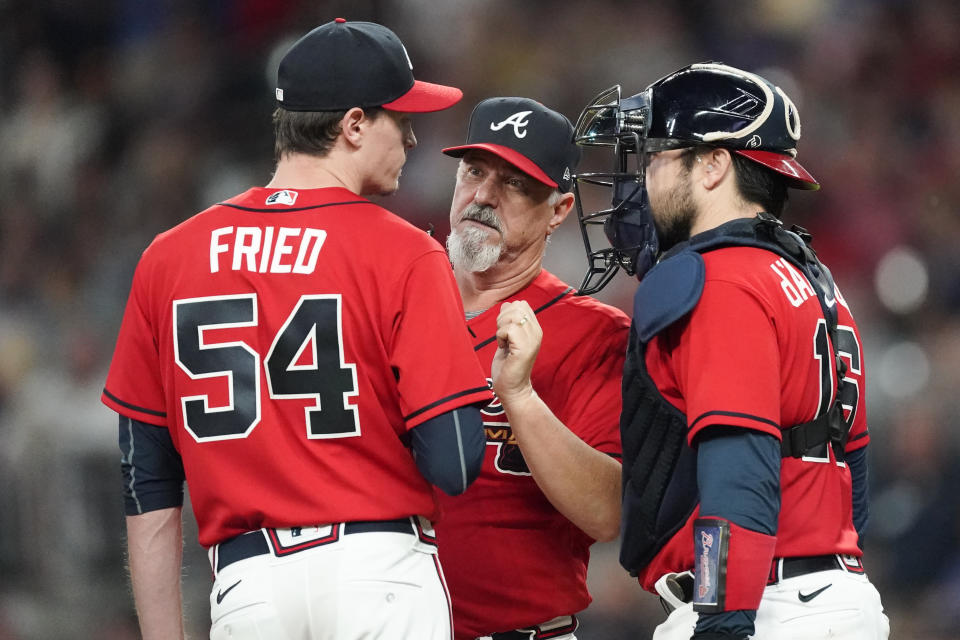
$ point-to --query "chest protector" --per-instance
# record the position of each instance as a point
(659, 469)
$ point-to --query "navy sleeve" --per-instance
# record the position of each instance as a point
(729, 625)
(449, 448)
(738, 474)
(857, 462)
(151, 466)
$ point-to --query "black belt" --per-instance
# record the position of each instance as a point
(783, 568)
(681, 584)
(561, 626)
(254, 543)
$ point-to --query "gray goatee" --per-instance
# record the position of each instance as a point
(468, 249)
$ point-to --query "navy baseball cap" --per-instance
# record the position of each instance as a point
(341, 65)
(528, 135)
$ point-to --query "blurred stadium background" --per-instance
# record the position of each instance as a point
(120, 118)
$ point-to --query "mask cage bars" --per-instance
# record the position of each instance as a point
(602, 124)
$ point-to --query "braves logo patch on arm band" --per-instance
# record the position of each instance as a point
(730, 565)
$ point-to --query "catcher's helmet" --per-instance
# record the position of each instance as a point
(708, 103)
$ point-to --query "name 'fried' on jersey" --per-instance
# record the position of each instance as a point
(266, 249)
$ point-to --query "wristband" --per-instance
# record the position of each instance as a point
(731, 564)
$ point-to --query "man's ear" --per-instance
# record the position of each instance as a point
(351, 126)
(716, 164)
(560, 211)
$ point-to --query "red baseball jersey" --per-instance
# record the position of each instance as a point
(288, 339)
(756, 353)
(510, 558)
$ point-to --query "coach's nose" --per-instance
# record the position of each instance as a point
(409, 139)
(488, 191)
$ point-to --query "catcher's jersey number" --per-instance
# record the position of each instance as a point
(848, 348)
(304, 361)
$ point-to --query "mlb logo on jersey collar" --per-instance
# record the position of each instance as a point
(282, 197)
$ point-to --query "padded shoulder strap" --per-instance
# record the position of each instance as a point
(674, 286)
(767, 232)
(667, 293)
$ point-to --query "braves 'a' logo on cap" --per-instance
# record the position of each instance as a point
(518, 120)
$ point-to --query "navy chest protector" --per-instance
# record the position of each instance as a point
(659, 470)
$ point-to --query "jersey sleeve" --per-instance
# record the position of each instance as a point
(430, 349)
(592, 409)
(728, 362)
(133, 386)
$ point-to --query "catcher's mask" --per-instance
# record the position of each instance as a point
(702, 104)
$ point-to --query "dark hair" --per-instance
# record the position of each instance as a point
(755, 182)
(758, 184)
(309, 132)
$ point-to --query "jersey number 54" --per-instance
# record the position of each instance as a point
(305, 360)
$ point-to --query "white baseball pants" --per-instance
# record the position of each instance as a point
(369, 585)
(848, 609)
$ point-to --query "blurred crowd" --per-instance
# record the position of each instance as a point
(121, 118)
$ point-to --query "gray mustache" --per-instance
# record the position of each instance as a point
(483, 215)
